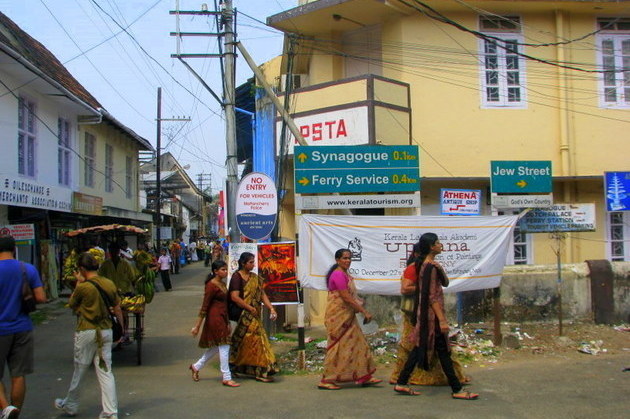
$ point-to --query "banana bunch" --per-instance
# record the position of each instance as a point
(133, 304)
(145, 286)
(70, 266)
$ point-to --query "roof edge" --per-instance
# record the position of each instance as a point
(33, 68)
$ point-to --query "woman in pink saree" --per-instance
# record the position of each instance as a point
(348, 356)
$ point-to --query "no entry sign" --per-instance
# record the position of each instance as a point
(256, 206)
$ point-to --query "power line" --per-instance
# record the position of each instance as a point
(56, 135)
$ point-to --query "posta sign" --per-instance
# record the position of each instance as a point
(256, 206)
(339, 127)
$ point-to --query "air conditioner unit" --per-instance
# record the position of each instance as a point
(297, 81)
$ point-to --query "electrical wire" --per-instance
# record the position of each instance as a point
(93, 65)
(56, 135)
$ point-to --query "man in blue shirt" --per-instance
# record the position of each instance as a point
(16, 328)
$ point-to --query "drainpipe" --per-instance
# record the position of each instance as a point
(567, 168)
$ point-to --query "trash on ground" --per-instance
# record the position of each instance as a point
(592, 348)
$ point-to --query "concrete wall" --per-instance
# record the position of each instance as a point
(528, 293)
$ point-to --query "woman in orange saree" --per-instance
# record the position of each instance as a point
(348, 356)
(251, 352)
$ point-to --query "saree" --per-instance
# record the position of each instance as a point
(348, 355)
(251, 352)
(434, 376)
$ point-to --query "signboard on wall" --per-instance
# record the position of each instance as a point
(87, 204)
(20, 192)
(617, 190)
(339, 127)
(559, 218)
(529, 176)
(22, 233)
(460, 201)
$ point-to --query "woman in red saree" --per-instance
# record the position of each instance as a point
(430, 334)
(348, 356)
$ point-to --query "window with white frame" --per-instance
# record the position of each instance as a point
(90, 159)
(614, 61)
(503, 67)
(27, 136)
(64, 150)
(128, 177)
(520, 243)
(618, 236)
(109, 168)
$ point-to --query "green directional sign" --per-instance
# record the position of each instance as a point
(330, 169)
(532, 176)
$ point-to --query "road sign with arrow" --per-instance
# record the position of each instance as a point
(521, 176)
(330, 169)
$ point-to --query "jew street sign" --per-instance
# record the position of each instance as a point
(510, 177)
(331, 169)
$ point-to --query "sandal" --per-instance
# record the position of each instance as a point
(264, 379)
(407, 391)
(465, 395)
(328, 386)
(230, 383)
(370, 382)
(195, 373)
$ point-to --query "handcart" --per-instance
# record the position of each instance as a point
(133, 306)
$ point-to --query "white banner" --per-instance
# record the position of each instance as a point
(474, 253)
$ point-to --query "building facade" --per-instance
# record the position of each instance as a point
(472, 82)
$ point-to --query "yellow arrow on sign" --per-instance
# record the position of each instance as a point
(521, 183)
(304, 181)
(302, 157)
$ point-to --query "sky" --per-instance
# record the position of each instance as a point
(86, 36)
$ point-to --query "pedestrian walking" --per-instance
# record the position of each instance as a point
(251, 352)
(16, 328)
(348, 356)
(165, 263)
(175, 250)
(215, 335)
(434, 376)
(93, 336)
(431, 331)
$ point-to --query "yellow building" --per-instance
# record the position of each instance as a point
(472, 82)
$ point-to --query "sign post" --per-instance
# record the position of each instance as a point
(617, 189)
(333, 169)
(514, 184)
(256, 206)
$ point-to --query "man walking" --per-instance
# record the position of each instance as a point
(16, 328)
(93, 336)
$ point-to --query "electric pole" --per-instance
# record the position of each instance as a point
(230, 120)
(158, 166)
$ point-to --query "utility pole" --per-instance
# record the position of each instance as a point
(158, 166)
(230, 119)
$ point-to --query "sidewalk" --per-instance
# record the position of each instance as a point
(162, 387)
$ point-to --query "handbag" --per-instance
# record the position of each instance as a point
(29, 304)
(117, 329)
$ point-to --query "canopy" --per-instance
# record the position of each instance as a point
(108, 227)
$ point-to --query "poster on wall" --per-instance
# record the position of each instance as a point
(474, 254)
(276, 265)
(617, 189)
(234, 253)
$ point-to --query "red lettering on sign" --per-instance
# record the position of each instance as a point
(341, 129)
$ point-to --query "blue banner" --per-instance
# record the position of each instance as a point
(617, 191)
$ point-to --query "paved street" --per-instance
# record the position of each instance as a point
(595, 387)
